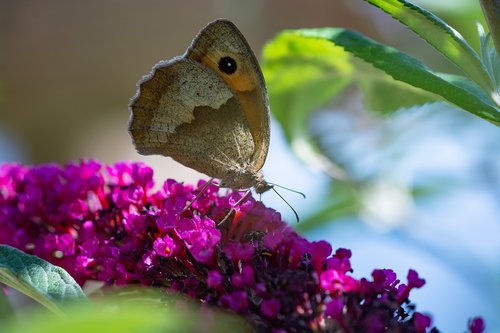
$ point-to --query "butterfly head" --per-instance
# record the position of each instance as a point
(246, 179)
(260, 184)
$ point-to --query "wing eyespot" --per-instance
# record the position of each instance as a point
(227, 65)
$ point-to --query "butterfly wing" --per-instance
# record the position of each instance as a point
(219, 40)
(194, 110)
(189, 113)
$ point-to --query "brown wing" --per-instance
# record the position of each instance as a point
(222, 39)
(186, 111)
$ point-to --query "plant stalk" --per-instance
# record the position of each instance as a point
(491, 10)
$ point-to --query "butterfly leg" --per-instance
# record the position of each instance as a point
(243, 198)
(203, 189)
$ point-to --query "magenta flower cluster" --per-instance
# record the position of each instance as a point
(109, 224)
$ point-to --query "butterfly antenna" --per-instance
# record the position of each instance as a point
(293, 210)
(288, 189)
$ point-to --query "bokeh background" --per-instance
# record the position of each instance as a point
(69, 68)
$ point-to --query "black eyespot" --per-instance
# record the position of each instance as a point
(227, 65)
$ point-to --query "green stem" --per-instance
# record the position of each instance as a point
(491, 10)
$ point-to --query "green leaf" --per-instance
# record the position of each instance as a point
(491, 10)
(138, 312)
(455, 89)
(309, 69)
(383, 94)
(440, 35)
(304, 74)
(50, 285)
(490, 59)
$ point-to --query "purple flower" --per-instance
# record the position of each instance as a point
(214, 279)
(236, 301)
(239, 251)
(243, 278)
(336, 282)
(164, 246)
(476, 325)
(320, 251)
(334, 309)
(414, 281)
(108, 224)
(270, 307)
(422, 322)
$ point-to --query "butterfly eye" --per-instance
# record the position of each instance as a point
(227, 65)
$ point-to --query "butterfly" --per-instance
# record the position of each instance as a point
(207, 109)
